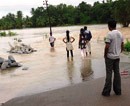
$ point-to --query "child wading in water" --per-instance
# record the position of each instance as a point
(51, 40)
(69, 40)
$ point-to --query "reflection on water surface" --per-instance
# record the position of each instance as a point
(48, 68)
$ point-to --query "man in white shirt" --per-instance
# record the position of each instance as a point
(113, 48)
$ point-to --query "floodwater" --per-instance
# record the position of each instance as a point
(48, 68)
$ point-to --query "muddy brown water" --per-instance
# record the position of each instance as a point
(48, 68)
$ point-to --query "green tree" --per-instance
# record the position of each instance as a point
(51, 14)
(19, 19)
(27, 23)
(122, 12)
(33, 18)
(61, 10)
(101, 12)
(85, 12)
(8, 22)
(63, 14)
(39, 17)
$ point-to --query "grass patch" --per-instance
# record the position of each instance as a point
(127, 46)
(4, 34)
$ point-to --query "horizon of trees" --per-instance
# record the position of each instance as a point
(62, 14)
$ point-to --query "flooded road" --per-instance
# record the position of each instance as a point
(48, 68)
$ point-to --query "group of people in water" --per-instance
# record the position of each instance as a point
(114, 45)
(84, 42)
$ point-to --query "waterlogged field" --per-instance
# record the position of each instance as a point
(49, 68)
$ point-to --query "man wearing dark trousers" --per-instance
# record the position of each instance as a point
(113, 48)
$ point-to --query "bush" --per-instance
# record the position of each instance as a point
(127, 46)
(9, 34)
(2, 33)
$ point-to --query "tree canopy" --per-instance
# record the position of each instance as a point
(63, 14)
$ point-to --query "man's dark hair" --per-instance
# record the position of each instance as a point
(112, 23)
(85, 27)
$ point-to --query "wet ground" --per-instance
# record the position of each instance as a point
(49, 68)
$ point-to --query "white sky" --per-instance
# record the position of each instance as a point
(12, 6)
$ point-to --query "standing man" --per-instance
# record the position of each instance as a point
(51, 40)
(113, 48)
(88, 37)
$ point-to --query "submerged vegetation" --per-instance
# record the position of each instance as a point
(63, 14)
(9, 33)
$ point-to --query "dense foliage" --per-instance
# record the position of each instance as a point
(63, 14)
(127, 46)
(122, 12)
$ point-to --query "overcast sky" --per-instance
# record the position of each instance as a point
(12, 6)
